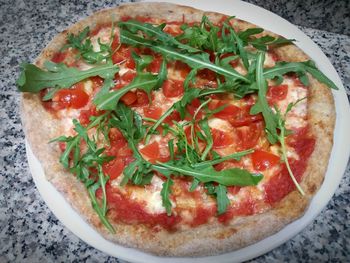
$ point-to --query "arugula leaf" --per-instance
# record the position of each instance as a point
(155, 32)
(281, 138)
(262, 43)
(261, 105)
(200, 61)
(228, 177)
(237, 156)
(244, 35)
(143, 80)
(203, 124)
(240, 45)
(83, 44)
(203, 36)
(309, 66)
(196, 61)
(33, 79)
(130, 125)
(81, 165)
(108, 101)
(221, 198)
(165, 192)
(141, 61)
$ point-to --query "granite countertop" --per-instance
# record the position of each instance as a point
(29, 232)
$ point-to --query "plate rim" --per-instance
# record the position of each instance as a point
(319, 201)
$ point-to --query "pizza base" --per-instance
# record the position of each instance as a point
(40, 127)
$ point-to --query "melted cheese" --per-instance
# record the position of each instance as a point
(66, 116)
(151, 196)
(296, 118)
(269, 62)
(104, 36)
(220, 124)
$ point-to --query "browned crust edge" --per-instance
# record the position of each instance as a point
(40, 127)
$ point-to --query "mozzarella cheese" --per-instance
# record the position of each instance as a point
(151, 196)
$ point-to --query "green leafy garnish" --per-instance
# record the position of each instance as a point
(309, 66)
(233, 176)
(143, 80)
(82, 43)
(130, 124)
(262, 106)
(82, 163)
(33, 79)
(196, 61)
(220, 193)
(166, 191)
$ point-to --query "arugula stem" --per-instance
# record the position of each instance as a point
(162, 124)
(235, 156)
(100, 213)
(285, 158)
(159, 122)
(204, 64)
(103, 187)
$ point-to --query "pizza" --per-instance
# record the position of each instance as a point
(176, 131)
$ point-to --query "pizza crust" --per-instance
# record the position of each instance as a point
(40, 127)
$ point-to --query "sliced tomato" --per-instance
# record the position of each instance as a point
(173, 88)
(263, 160)
(151, 150)
(123, 55)
(124, 152)
(116, 146)
(129, 98)
(207, 74)
(115, 42)
(183, 68)
(237, 116)
(153, 153)
(62, 146)
(248, 136)
(152, 112)
(114, 134)
(96, 82)
(142, 99)
(59, 57)
(228, 110)
(274, 55)
(115, 168)
(154, 66)
(84, 117)
(128, 76)
(192, 108)
(71, 98)
(189, 135)
(221, 139)
(276, 93)
(174, 116)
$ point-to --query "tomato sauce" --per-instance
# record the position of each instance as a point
(202, 215)
(281, 184)
(124, 210)
(243, 208)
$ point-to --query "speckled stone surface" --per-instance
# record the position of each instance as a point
(29, 232)
(329, 15)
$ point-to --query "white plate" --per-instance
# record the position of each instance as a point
(338, 161)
